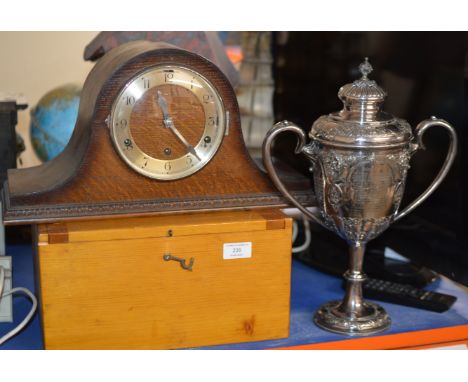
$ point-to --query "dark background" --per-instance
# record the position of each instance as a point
(422, 73)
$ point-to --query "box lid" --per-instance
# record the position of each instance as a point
(185, 224)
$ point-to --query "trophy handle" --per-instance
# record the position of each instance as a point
(277, 129)
(420, 129)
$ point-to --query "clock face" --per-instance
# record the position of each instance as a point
(167, 122)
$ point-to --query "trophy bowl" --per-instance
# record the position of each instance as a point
(359, 160)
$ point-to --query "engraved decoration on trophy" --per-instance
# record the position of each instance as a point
(359, 160)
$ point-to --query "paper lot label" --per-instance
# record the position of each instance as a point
(237, 250)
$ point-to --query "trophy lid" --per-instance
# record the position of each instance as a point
(363, 90)
(361, 122)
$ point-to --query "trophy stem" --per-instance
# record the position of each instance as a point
(353, 315)
(352, 304)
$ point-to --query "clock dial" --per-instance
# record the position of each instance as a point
(167, 122)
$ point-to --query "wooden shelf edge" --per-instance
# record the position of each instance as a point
(420, 339)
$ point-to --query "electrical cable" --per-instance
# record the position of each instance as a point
(13, 291)
(2, 281)
(307, 236)
(295, 231)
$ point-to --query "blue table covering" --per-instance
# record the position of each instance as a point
(23, 276)
(309, 289)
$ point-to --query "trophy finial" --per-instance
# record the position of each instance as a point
(362, 89)
(365, 68)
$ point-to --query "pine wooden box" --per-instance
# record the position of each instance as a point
(105, 285)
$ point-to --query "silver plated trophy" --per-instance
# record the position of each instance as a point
(360, 157)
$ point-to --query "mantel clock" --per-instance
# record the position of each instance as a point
(158, 130)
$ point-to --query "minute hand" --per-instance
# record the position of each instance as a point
(177, 133)
(169, 123)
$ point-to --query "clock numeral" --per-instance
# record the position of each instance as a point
(145, 159)
(168, 77)
(167, 166)
(189, 161)
(191, 83)
(123, 123)
(207, 98)
(146, 83)
(130, 100)
(212, 121)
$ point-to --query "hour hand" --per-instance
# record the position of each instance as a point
(163, 105)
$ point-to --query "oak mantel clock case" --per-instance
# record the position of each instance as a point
(158, 131)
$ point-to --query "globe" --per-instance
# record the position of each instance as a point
(53, 120)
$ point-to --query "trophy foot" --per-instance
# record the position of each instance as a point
(374, 320)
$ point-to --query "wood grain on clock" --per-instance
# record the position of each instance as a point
(147, 127)
(89, 179)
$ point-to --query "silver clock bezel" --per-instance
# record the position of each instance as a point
(156, 170)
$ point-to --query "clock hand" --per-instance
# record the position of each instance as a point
(190, 148)
(169, 123)
(163, 105)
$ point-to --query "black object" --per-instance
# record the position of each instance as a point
(11, 145)
(404, 294)
(9, 106)
(329, 254)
